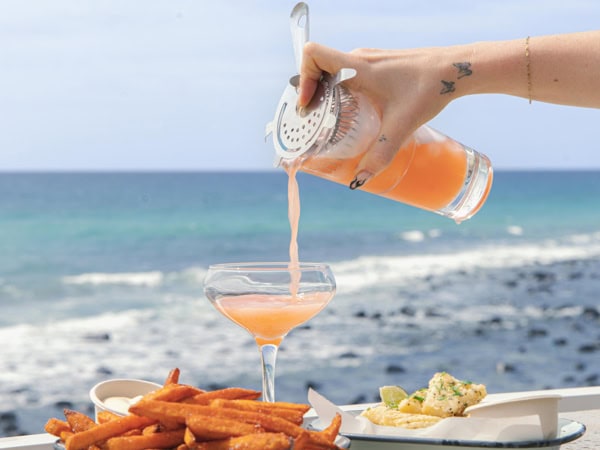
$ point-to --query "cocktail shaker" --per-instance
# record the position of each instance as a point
(329, 137)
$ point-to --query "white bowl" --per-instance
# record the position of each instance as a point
(116, 395)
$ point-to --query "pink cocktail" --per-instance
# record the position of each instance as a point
(269, 300)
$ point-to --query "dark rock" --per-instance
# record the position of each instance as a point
(589, 348)
(9, 424)
(432, 312)
(104, 371)
(590, 313)
(542, 277)
(392, 368)
(8, 416)
(502, 367)
(408, 311)
(493, 321)
(63, 404)
(349, 355)
(560, 342)
(97, 337)
(537, 332)
(20, 390)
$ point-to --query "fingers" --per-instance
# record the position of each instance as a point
(380, 154)
(317, 59)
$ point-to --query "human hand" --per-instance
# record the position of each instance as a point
(402, 85)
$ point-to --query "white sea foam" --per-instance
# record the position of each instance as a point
(418, 235)
(150, 279)
(434, 233)
(514, 230)
(376, 270)
(365, 271)
(64, 359)
(412, 236)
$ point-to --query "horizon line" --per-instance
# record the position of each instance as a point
(222, 170)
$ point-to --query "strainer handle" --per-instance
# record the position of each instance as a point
(299, 28)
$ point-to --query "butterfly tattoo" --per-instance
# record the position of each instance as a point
(464, 69)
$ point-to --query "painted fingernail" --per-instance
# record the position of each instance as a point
(360, 179)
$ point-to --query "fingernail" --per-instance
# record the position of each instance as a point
(301, 111)
(360, 179)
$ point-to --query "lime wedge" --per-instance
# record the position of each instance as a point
(391, 396)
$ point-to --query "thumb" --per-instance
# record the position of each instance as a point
(317, 59)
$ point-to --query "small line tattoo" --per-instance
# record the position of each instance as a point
(382, 138)
(448, 87)
(464, 69)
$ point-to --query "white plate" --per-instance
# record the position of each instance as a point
(29, 442)
(568, 430)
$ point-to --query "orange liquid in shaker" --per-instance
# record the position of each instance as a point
(429, 175)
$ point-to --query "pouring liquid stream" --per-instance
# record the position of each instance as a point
(294, 219)
(270, 318)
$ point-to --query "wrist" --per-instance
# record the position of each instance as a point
(500, 68)
(484, 68)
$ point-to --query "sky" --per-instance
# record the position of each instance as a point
(190, 84)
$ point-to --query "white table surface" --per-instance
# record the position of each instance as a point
(591, 439)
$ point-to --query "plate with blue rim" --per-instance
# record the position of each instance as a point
(568, 430)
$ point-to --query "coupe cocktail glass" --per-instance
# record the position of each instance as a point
(269, 300)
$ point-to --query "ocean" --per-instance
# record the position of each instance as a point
(101, 277)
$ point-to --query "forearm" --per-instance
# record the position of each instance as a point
(410, 87)
(563, 69)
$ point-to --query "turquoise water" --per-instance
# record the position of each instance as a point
(101, 275)
(67, 224)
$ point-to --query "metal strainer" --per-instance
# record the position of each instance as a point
(326, 120)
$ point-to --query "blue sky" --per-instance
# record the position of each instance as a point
(190, 84)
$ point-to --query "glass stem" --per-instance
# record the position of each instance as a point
(268, 356)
